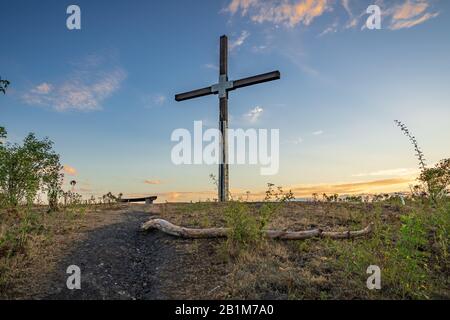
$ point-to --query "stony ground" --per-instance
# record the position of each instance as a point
(117, 261)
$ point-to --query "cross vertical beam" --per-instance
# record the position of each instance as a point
(223, 124)
(221, 89)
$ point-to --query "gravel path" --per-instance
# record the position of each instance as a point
(117, 261)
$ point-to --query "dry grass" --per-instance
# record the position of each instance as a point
(311, 269)
(204, 269)
(32, 241)
(292, 216)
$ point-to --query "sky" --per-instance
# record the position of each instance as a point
(105, 94)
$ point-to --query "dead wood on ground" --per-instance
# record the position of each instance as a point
(193, 233)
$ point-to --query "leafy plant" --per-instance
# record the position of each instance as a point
(246, 228)
(27, 169)
(436, 180)
(419, 153)
(2, 134)
(4, 85)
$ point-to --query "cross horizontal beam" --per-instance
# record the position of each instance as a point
(233, 85)
(261, 78)
(193, 94)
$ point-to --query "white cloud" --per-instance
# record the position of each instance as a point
(211, 66)
(160, 99)
(240, 40)
(83, 90)
(254, 114)
(153, 100)
(331, 29)
(317, 133)
(298, 140)
(346, 5)
(43, 88)
(352, 20)
(153, 182)
(259, 48)
(244, 5)
(389, 172)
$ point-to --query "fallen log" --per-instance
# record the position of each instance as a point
(192, 233)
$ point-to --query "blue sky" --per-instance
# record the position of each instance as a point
(104, 94)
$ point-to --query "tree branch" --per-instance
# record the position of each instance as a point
(192, 233)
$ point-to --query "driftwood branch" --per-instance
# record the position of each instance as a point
(192, 233)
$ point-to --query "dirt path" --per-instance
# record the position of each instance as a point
(117, 261)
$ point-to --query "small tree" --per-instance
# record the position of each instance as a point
(4, 85)
(437, 179)
(27, 169)
(2, 134)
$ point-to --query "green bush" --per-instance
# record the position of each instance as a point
(27, 169)
(15, 237)
(413, 255)
(247, 229)
(244, 228)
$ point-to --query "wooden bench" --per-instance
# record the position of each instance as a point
(147, 200)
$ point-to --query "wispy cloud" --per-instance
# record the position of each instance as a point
(406, 14)
(359, 187)
(153, 100)
(385, 185)
(43, 88)
(211, 66)
(409, 9)
(411, 13)
(296, 141)
(152, 182)
(331, 29)
(69, 170)
(352, 20)
(389, 172)
(242, 5)
(83, 90)
(318, 132)
(160, 99)
(239, 41)
(280, 11)
(254, 114)
(408, 23)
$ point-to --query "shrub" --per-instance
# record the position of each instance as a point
(27, 169)
(437, 179)
(4, 85)
(246, 228)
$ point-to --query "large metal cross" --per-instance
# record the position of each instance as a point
(222, 88)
